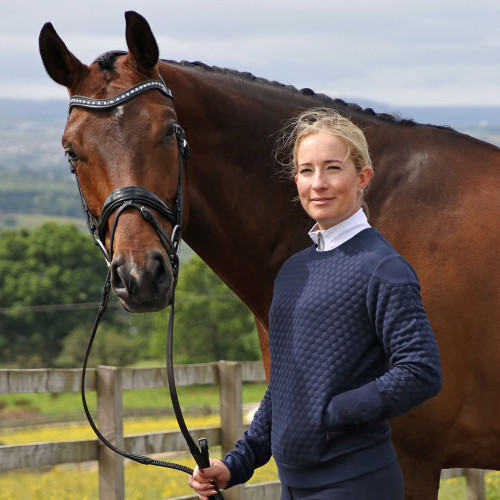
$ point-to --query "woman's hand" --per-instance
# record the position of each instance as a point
(202, 479)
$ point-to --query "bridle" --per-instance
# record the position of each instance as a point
(135, 196)
(143, 200)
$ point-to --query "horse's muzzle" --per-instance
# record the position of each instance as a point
(142, 289)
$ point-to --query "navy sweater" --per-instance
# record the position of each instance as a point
(351, 346)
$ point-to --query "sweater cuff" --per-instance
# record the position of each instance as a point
(238, 473)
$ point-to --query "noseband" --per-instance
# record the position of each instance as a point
(143, 200)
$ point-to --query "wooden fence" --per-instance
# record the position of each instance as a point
(110, 382)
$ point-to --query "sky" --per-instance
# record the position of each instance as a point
(397, 52)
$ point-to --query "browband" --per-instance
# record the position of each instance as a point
(111, 102)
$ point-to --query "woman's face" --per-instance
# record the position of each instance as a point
(329, 186)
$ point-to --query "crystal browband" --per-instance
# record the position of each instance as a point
(111, 102)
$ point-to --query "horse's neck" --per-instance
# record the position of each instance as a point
(241, 218)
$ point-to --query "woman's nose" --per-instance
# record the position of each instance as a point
(319, 181)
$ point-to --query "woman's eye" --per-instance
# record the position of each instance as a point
(304, 170)
(333, 167)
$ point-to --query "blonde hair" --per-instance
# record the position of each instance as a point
(316, 120)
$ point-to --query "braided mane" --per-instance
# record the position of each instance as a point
(323, 99)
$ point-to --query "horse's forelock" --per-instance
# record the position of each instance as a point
(107, 61)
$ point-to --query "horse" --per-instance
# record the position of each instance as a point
(434, 196)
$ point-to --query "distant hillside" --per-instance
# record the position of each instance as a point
(460, 118)
(482, 122)
(28, 109)
(31, 130)
(34, 175)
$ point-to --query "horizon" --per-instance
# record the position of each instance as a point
(417, 54)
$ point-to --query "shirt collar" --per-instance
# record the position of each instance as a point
(334, 236)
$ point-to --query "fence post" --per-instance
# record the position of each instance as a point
(475, 484)
(231, 414)
(109, 421)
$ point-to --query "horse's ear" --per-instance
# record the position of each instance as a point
(141, 42)
(61, 65)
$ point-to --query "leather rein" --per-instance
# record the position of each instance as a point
(142, 200)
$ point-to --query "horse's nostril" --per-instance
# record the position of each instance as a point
(118, 281)
(159, 270)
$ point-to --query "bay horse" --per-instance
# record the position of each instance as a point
(435, 196)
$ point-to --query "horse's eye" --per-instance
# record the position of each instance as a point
(71, 157)
(171, 130)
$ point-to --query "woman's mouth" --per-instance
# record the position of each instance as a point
(320, 201)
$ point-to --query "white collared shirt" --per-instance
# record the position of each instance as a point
(334, 236)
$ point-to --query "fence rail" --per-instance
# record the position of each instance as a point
(109, 383)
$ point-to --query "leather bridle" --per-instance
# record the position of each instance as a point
(135, 196)
(143, 200)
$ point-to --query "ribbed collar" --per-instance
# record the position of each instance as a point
(336, 235)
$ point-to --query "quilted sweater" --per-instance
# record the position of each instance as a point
(351, 347)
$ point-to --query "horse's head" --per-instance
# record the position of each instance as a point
(126, 154)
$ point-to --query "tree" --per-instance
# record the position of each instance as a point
(211, 323)
(51, 284)
(112, 346)
(49, 275)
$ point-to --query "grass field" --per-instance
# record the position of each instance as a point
(68, 482)
(31, 221)
(80, 481)
(193, 399)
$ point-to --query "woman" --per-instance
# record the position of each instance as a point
(350, 342)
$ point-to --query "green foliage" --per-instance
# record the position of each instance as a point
(49, 267)
(112, 346)
(211, 323)
(52, 278)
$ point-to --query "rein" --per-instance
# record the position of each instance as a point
(142, 200)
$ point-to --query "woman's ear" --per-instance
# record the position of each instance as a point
(365, 176)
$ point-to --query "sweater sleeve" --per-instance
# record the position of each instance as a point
(254, 450)
(398, 316)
